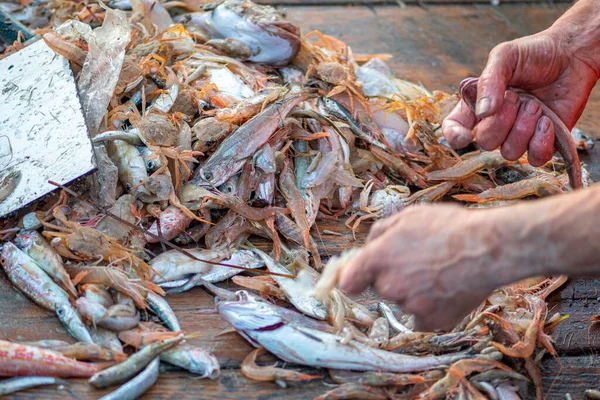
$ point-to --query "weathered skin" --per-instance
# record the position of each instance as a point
(21, 360)
(563, 140)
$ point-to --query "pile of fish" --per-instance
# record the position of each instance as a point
(222, 128)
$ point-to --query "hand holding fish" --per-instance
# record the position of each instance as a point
(551, 66)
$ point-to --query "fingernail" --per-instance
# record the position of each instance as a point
(483, 105)
(543, 125)
(511, 97)
(532, 107)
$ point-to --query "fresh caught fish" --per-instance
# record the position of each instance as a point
(138, 385)
(38, 248)
(122, 372)
(71, 320)
(131, 166)
(261, 324)
(164, 311)
(26, 275)
(230, 156)
(173, 265)
(12, 385)
(271, 39)
(106, 339)
(193, 359)
(393, 322)
(22, 360)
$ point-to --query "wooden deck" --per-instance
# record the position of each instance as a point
(437, 46)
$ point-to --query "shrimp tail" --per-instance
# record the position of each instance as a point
(470, 198)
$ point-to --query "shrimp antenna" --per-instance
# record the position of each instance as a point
(160, 239)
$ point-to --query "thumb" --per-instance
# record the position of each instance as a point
(362, 270)
(494, 79)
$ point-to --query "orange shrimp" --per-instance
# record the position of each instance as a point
(265, 285)
(398, 165)
(470, 166)
(540, 186)
(270, 373)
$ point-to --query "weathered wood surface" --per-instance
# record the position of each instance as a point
(439, 47)
(401, 3)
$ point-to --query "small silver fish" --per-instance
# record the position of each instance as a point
(138, 385)
(71, 320)
(12, 385)
(164, 311)
(193, 359)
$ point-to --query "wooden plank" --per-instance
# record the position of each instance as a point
(439, 47)
(375, 3)
(571, 375)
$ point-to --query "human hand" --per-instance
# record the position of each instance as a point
(438, 262)
(547, 66)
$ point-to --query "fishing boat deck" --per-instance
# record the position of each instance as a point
(437, 45)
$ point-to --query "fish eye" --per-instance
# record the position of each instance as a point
(128, 187)
(210, 143)
(3, 261)
(228, 189)
(149, 164)
(207, 175)
(60, 311)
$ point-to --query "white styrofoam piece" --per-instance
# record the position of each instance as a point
(42, 129)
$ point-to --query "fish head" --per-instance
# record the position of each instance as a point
(203, 363)
(249, 313)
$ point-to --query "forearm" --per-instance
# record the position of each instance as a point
(578, 30)
(557, 235)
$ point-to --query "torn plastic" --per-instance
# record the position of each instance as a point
(102, 67)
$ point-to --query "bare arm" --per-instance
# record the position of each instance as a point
(440, 261)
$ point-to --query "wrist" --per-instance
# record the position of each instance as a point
(576, 32)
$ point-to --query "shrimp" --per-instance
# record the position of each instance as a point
(68, 50)
(265, 285)
(398, 165)
(294, 200)
(470, 166)
(259, 373)
(355, 391)
(83, 243)
(541, 186)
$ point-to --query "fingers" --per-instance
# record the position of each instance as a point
(522, 131)
(362, 270)
(492, 131)
(494, 79)
(541, 146)
(458, 125)
(380, 227)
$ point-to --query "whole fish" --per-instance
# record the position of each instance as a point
(263, 325)
(22, 360)
(131, 166)
(119, 317)
(164, 311)
(297, 290)
(122, 372)
(173, 265)
(12, 385)
(38, 248)
(230, 156)
(71, 320)
(28, 276)
(193, 359)
(137, 386)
